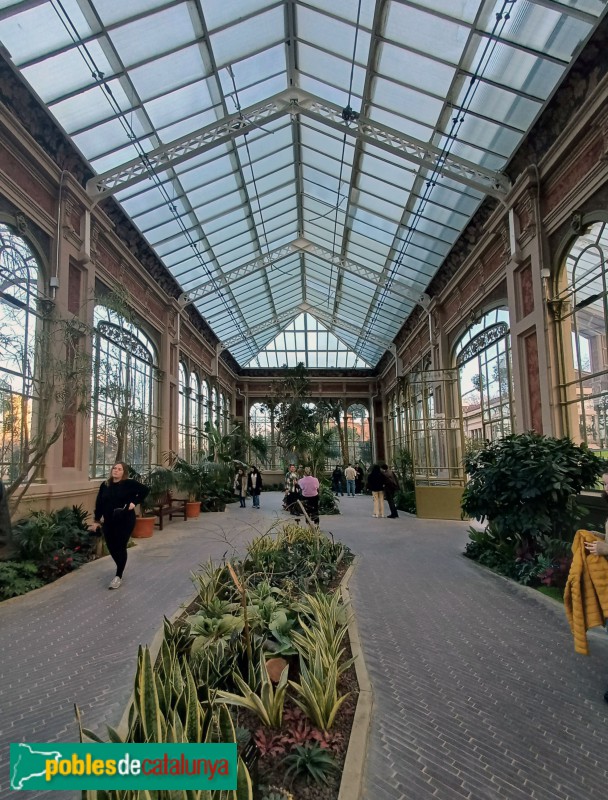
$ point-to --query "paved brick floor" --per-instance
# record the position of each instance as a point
(477, 690)
(74, 641)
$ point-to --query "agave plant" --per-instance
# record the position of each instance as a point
(166, 708)
(317, 692)
(268, 705)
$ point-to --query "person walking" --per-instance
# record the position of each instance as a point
(115, 506)
(360, 477)
(254, 485)
(309, 486)
(376, 484)
(240, 486)
(391, 487)
(350, 474)
(291, 491)
(336, 481)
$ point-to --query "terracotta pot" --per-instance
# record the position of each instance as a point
(275, 667)
(144, 527)
(193, 509)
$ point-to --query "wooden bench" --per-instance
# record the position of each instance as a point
(169, 507)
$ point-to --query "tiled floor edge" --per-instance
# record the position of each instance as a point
(351, 787)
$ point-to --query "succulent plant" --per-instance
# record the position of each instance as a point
(277, 793)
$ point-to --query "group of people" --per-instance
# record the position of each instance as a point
(382, 482)
(249, 483)
(354, 477)
(301, 490)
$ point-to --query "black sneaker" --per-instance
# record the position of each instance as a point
(606, 695)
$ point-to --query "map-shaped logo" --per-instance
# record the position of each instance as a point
(28, 763)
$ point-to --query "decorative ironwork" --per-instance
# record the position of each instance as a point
(296, 101)
(481, 341)
(125, 340)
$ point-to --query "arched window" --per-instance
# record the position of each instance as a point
(18, 323)
(262, 426)
(125, 389)
(357, 434)
(216, 408)
(182, 422)
(226, 413)
(194, 418)
(221, 414)
(583, 329)
(205, 411)
(392, 433)
(483, 359)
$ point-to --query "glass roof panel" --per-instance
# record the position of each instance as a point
(332, 34)
(327, 92)
(110, 11)
(390, 94)
(169, 72)
(46, 31)
(220, 14)
(404, 125)
(89, 107)
(338, 69)
(426, 32)
(103, 138)
(178, 105)
(349, 10)
(540, 29)
(415, 70)
(149, 36)
(250, 36)
(250, 71)
(260, 91)
(66, 72)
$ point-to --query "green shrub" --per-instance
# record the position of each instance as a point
(328, 504)
(42, 535)
(310, 762)
(525, 486)
(18, 577)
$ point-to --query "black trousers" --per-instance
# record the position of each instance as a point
(390, 499)
(291, 503)
(117, 533)
(311, 504)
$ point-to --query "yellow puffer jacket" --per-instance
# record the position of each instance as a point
(586, 592)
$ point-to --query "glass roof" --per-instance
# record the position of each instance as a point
(307, 341)
(298, 161)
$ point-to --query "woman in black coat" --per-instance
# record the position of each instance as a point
(375, 484)
(254, 485)
(115, 505)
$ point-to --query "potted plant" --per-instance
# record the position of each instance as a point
(160, 481)
(190, 478)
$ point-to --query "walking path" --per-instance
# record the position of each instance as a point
(477, 690)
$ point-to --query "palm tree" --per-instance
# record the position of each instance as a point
(333, 409)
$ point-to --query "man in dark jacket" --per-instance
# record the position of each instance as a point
(336, 481)
(391, 487)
